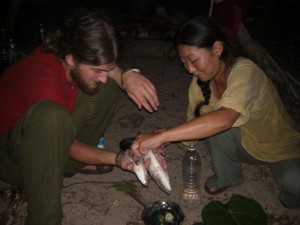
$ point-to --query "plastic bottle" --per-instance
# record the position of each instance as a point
(3, 39)
(4, 61)
(191, 170)
(12, 52)
(41, 32)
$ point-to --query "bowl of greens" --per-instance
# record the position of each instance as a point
(163, 213)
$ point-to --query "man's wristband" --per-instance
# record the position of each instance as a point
(131, 70)
(118, 159)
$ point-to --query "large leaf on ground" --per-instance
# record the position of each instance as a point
(238, 211)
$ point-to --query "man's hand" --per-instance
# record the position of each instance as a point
(138, 88)
(126, 164)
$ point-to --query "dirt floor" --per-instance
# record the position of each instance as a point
(92, 199)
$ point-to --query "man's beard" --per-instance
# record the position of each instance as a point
(82, 83)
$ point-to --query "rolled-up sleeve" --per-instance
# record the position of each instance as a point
(241, 93)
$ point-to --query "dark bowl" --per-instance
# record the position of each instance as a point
(153, 213)
(126, 143)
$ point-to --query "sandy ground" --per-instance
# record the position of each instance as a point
(92, 199)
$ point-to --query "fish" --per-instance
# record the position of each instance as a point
(157, 169)
(138, 167)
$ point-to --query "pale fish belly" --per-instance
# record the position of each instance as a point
(138, 167)
(158, 170)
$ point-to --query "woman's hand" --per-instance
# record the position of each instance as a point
(146, 142)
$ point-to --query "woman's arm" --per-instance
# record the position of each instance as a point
(201, 127)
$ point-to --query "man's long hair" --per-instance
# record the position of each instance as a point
(87, 35)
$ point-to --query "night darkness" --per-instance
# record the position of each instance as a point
(274, 23)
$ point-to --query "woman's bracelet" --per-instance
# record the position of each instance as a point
(118, 159)
(131, 70)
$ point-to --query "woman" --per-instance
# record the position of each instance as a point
(234, 106)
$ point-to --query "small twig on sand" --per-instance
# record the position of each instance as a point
(99, 182)
(137, 196)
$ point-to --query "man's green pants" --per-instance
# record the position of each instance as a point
(35, 153)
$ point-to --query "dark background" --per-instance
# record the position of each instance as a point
(274, 23)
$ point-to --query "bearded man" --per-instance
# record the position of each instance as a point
(56, 103)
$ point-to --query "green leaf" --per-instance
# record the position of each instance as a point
(238, 211)
(125, 187)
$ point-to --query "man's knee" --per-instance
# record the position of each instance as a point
(48, 114)
(46, 107)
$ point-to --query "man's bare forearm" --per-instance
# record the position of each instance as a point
(91, 155)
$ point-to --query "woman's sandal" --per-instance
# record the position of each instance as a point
(216, 192)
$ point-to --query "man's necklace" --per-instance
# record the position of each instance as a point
(72, 86)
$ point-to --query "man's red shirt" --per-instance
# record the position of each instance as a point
(34, 77)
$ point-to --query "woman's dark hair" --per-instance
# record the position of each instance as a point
(203, 32)
(87, 35)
